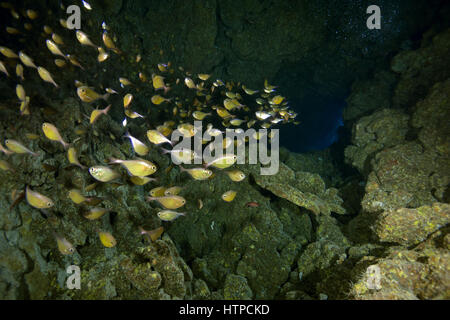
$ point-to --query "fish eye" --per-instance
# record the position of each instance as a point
(71, 249)
(49, 204)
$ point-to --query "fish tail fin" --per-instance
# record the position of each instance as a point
(164, 151)
(106, 110)
(114, 160)
(141, 230)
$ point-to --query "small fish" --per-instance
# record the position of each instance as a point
(262, 115)
(125, 82)
(88, 95)
(32, 14)
(158, 83)
(102, 55)
(47, 29)
(223, 162)
(52, 133)
(157, 99)
(95, 114)
(138, 146)
(112, 91)
(53, 47)
(132, 114)
(8, 53)
(249, 91)
(169, 215)
(236, 175)
(156, 137)
(252, 204)
(198, 173)
(198, 115)
(95, 213)
(173, 191)
(86, 5)
(19, 71)
(20, 92)
(5, 166)
(157, 192)
(152, 235)
(64, 246)
(84, 39)
(74, 61)
(276, 100)
(162, 67)
(200, 204)
(183, 155)
(127, 100)
(236, 122)
(12, 30)
(169, 202)
(76, 196)
(46, 76)
(57, 39)
(107, 239)
(26, 60)
(229, 196)
(109, 43)
(3, 68)
(38, 200)
(190, 83)
(73, 157)
(16, 198)
(203, 76)
(140, 167)
(140, 181)
(103, 173)
(60, 63)
(91, 187)
(17, 147)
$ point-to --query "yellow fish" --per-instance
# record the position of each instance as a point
(109, 43)
(198, 173)
(157, 99)
(95, 114)
(169, 215)
(236, 122)
(38, 200)
(84, 39)
(156, 137)
(107, 239)
(57, 39)
(52, 133)
(103, 173)
(198, 115)
(162, 67)
(165, 130)
(183, 155)
(139, 168)
(73, 157)
(229, 196)
(76, 196)
(24, 110)
(60, 63)
(53, 47)
(249, 91)
(203, 76)
(74, 61)
(190, 83)
(236, 175)
(140, 181)
(12, 30)
(5, 166)
(3, 68)
(138, 146)
(88, 95)
(20, 91)
(95, 213)
(157, 192)
(127, 100)
(32, 14)
(17, 147)
(64, 246)
(158, 83)
(47, 29)
(153, 235)
(46, 76)
(125, 82)
(102, 54)
(19, 71)
(173, 191)
(132, 114)
(8, 53)
(169, 202)
(223, 162)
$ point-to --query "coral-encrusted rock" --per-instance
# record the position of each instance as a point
(411, 226)
(421, 69)
(422, 273)
(371, 134)
(303, 189)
